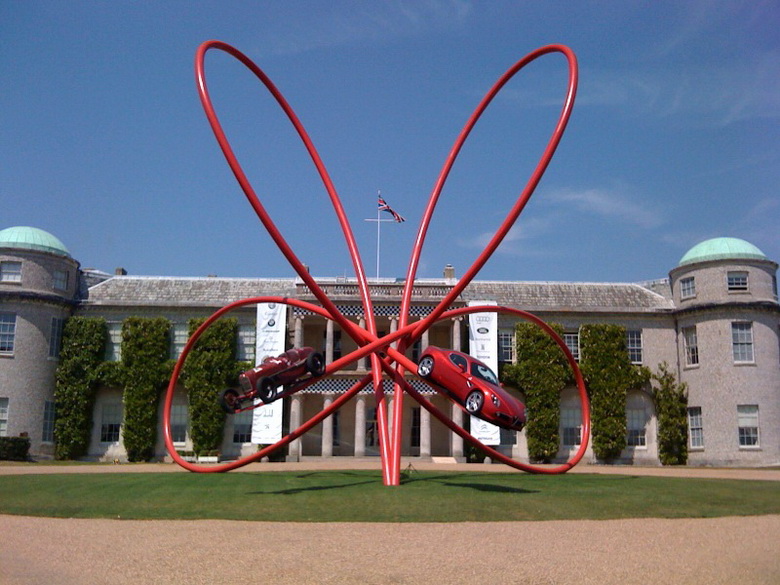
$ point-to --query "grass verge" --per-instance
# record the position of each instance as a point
(359, 496)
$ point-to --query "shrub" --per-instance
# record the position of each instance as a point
(541, 373)
(671, 402)
(14, 448)
(76, 379)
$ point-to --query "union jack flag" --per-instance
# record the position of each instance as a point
(383, 206)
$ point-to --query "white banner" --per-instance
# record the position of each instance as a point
(483, 345)
(270, 341)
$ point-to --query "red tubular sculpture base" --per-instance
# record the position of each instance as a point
(385, 360)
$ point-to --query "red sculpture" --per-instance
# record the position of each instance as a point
(385, 359)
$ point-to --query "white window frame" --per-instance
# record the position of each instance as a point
(695, 428)
(687, 287)
(748, 428)
(691, 346)
(114, 341)
(247, 339)
(111, 415)
(180, 333)
(572, 341)
(742, 349)
(636, 434)
(737, 281)
(571, 427)
(11, 271)
(4, 407)
(507, 350)
(7, 333)
(180, 421)
(634, 349)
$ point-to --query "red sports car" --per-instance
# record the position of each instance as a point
(263, 381)
(472, 385)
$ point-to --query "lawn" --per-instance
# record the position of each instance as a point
(360, 496)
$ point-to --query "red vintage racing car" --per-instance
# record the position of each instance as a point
(264, 380)
(472, 385)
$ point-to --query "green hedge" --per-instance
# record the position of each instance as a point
(145, 370)
(541, 373)
(609, 375)
(14, 448)
(210, 367)
(76, 380)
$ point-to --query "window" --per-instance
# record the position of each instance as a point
(242, 427)
(737, 281)
(416, 350)
(55, 337)
(774, 285)
(60, 280)
(572, 341)
(114, 344)
(747, 421)
(10, 271)
(459, 361)
(742, 342)
(110, 422)
(415, 432)
(636, 419)
(691, 345)
(506, 347)
(634, 346)
(7, 333)
(247, 335)
(336, 343)
(336, 417)
(47, 436)
(695, 427)
(687, 287)
(179, 422)
(179, 339)
(571, 427)
(3, 417)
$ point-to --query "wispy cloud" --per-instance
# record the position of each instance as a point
(334, 24)
(611, 203)
(525, 230)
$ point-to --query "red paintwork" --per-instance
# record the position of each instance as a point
(285, 369)
(499, 406)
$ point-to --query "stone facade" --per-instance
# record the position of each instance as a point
(715, 321)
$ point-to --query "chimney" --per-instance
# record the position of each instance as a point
(449, 272)
(120, 271)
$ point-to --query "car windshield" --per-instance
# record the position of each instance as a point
(482, 371)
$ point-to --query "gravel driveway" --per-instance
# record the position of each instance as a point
(117, 552)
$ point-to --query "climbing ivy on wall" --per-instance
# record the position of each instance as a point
(541, 373)
(76, 380)
(609, 375)
(671, 402)
(144, 371)
(210, 367)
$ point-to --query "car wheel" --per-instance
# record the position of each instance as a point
(315, 363)
(474, 401)
(228, 400)
(267, 390)
(425, 367)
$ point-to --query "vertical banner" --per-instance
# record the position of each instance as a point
(483, 345)
(269, 341)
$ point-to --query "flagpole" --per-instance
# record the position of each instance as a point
(378, 224)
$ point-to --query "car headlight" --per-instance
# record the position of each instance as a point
(496, 401)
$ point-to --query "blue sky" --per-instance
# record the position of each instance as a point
(673, 140)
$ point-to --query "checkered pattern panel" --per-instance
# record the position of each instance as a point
(341, 385)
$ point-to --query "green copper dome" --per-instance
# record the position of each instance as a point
(30, 238)
(722, 249)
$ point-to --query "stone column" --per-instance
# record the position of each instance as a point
(327, 429)
(425, 432)
(360, 426)
(298, 332)
(457, 440)
(456, 341)
(425, 340)
(393, 329)
(295, 421)
(329, 341)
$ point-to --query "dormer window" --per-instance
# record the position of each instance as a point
(687, 288)
(10, 271)
(737, 281)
